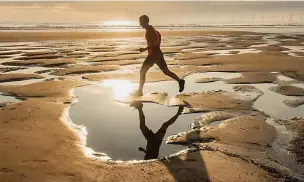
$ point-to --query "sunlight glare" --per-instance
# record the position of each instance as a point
(119, 23)
(121, 88)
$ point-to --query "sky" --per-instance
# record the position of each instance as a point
(159, 12)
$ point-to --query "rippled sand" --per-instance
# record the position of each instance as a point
(234, 80)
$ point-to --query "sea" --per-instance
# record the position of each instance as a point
(272, 16)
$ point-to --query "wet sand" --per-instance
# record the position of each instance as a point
(230, 142)
(297, 143)
(37, 36)
(18, 77)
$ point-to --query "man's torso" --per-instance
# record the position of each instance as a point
(151, 33)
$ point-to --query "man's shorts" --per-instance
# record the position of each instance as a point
(155, 58)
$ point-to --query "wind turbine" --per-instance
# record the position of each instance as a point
(252, 18)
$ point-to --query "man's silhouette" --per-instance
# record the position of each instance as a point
(155, 56)
(154, 140)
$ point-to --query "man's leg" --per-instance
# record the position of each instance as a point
(142, 121)
(142, 78)
(147, 64)
(169, 73)
(142, 125)
(162, 130)
(163, 66)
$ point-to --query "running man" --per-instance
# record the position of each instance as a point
(155, 56)
(154, 140)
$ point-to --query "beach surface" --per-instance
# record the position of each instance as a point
(248, 88)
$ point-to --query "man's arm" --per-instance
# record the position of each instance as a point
(152, 39)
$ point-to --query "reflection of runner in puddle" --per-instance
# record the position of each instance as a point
(154, 140)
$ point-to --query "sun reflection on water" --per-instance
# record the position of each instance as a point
(121, 89)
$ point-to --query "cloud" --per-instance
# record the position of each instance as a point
(32, 7)
(62, 6)
(35, 5)
(159, 12)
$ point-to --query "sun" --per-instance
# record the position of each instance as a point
(119, 23)
(121, 89)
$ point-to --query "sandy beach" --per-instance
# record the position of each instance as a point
(246, 87)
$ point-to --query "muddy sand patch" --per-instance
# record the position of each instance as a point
(288, 90)
(85, 69)
(18, 77)
(253, 77)
(294, 103)
(41, 62)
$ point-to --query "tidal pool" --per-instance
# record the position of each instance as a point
(116, 128)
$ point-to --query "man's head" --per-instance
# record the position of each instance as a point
(144, 21)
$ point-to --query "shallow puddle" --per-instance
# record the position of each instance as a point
(228, 51)
(293, 50)
(114, 128)
(284, 78)
(279, 151)
(272, 103)
(7, 98)
(30, 70)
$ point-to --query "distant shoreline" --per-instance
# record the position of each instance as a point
(98, 28)
(23, 36)
(14, 36)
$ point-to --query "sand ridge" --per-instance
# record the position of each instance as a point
(41, 62)
(18, 77)
(288, 90)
